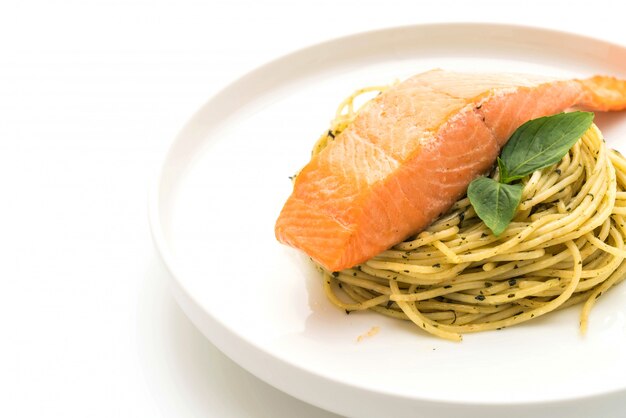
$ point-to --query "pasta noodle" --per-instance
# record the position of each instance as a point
(565, 246)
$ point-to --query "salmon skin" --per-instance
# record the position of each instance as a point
(412, 151)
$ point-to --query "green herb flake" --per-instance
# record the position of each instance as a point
(461, 218)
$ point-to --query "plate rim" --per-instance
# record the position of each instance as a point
(193, 309)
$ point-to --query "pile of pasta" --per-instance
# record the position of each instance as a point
(565, 246)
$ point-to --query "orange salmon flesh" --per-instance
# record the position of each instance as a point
(412, 151)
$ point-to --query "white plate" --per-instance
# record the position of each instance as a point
(223, 184)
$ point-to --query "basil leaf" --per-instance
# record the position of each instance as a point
(541, 142)
(495, 203)
(503, 170)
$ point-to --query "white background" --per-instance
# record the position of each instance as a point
(91, 95)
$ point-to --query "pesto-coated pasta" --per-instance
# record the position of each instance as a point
(564, 246)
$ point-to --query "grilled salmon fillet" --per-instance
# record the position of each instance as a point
(411, 153)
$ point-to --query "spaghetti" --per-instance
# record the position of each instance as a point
(565, 246)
